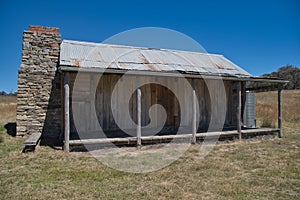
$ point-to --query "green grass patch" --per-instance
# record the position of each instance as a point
(1, 134)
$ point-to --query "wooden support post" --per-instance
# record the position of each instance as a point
(239, 110)
(194, 119)
(280, 111)
(139, 118)
(67, 112)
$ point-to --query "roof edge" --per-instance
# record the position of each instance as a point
(64, 68)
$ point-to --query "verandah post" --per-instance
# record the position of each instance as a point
(239, 110)
(67, 112)
(280, 111)
(139, 116)
(194, 120)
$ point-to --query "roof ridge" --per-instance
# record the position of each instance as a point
(136, 47)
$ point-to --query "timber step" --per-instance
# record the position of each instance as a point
(31, 142)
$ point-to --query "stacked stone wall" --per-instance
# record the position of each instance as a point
(39, 85)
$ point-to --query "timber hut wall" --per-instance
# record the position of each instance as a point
(151, 94)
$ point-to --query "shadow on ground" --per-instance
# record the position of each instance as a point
(11, 129)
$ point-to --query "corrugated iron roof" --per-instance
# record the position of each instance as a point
(99, 55)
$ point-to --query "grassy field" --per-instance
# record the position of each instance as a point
(267, 107)
(7, 109)
(257, 169)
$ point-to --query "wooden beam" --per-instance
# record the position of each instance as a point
(67, 112)
(139, 117)
(280, 111)
(194, 119)
(169, 74)
(269, 87)
(239, 110)
(161, 138)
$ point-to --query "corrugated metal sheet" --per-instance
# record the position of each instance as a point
(86, 54)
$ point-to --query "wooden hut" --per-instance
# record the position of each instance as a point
(202, 94)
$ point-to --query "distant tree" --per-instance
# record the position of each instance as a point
(2, 93)
(290, 73)
(11, 93)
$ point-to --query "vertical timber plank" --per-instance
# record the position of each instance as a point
(153, 101)
(175, 103)
(106, 101)
(62, 127)
(113, 101)
(243, 96)
(134, 103)
(92, 102)
(100, 102)
(158, 101)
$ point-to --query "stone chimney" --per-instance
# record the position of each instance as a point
(39, 97)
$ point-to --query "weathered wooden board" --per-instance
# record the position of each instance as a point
(31, 142)
(33, 139)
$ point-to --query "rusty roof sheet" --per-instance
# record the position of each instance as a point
(99, 55)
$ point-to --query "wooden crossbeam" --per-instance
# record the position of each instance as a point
(199, 136)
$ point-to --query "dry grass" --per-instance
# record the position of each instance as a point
(260, 170)
(8, 99)
(8, 106)
(267, 107)
(264, 169)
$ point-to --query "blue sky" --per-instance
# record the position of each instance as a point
(259, 36)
